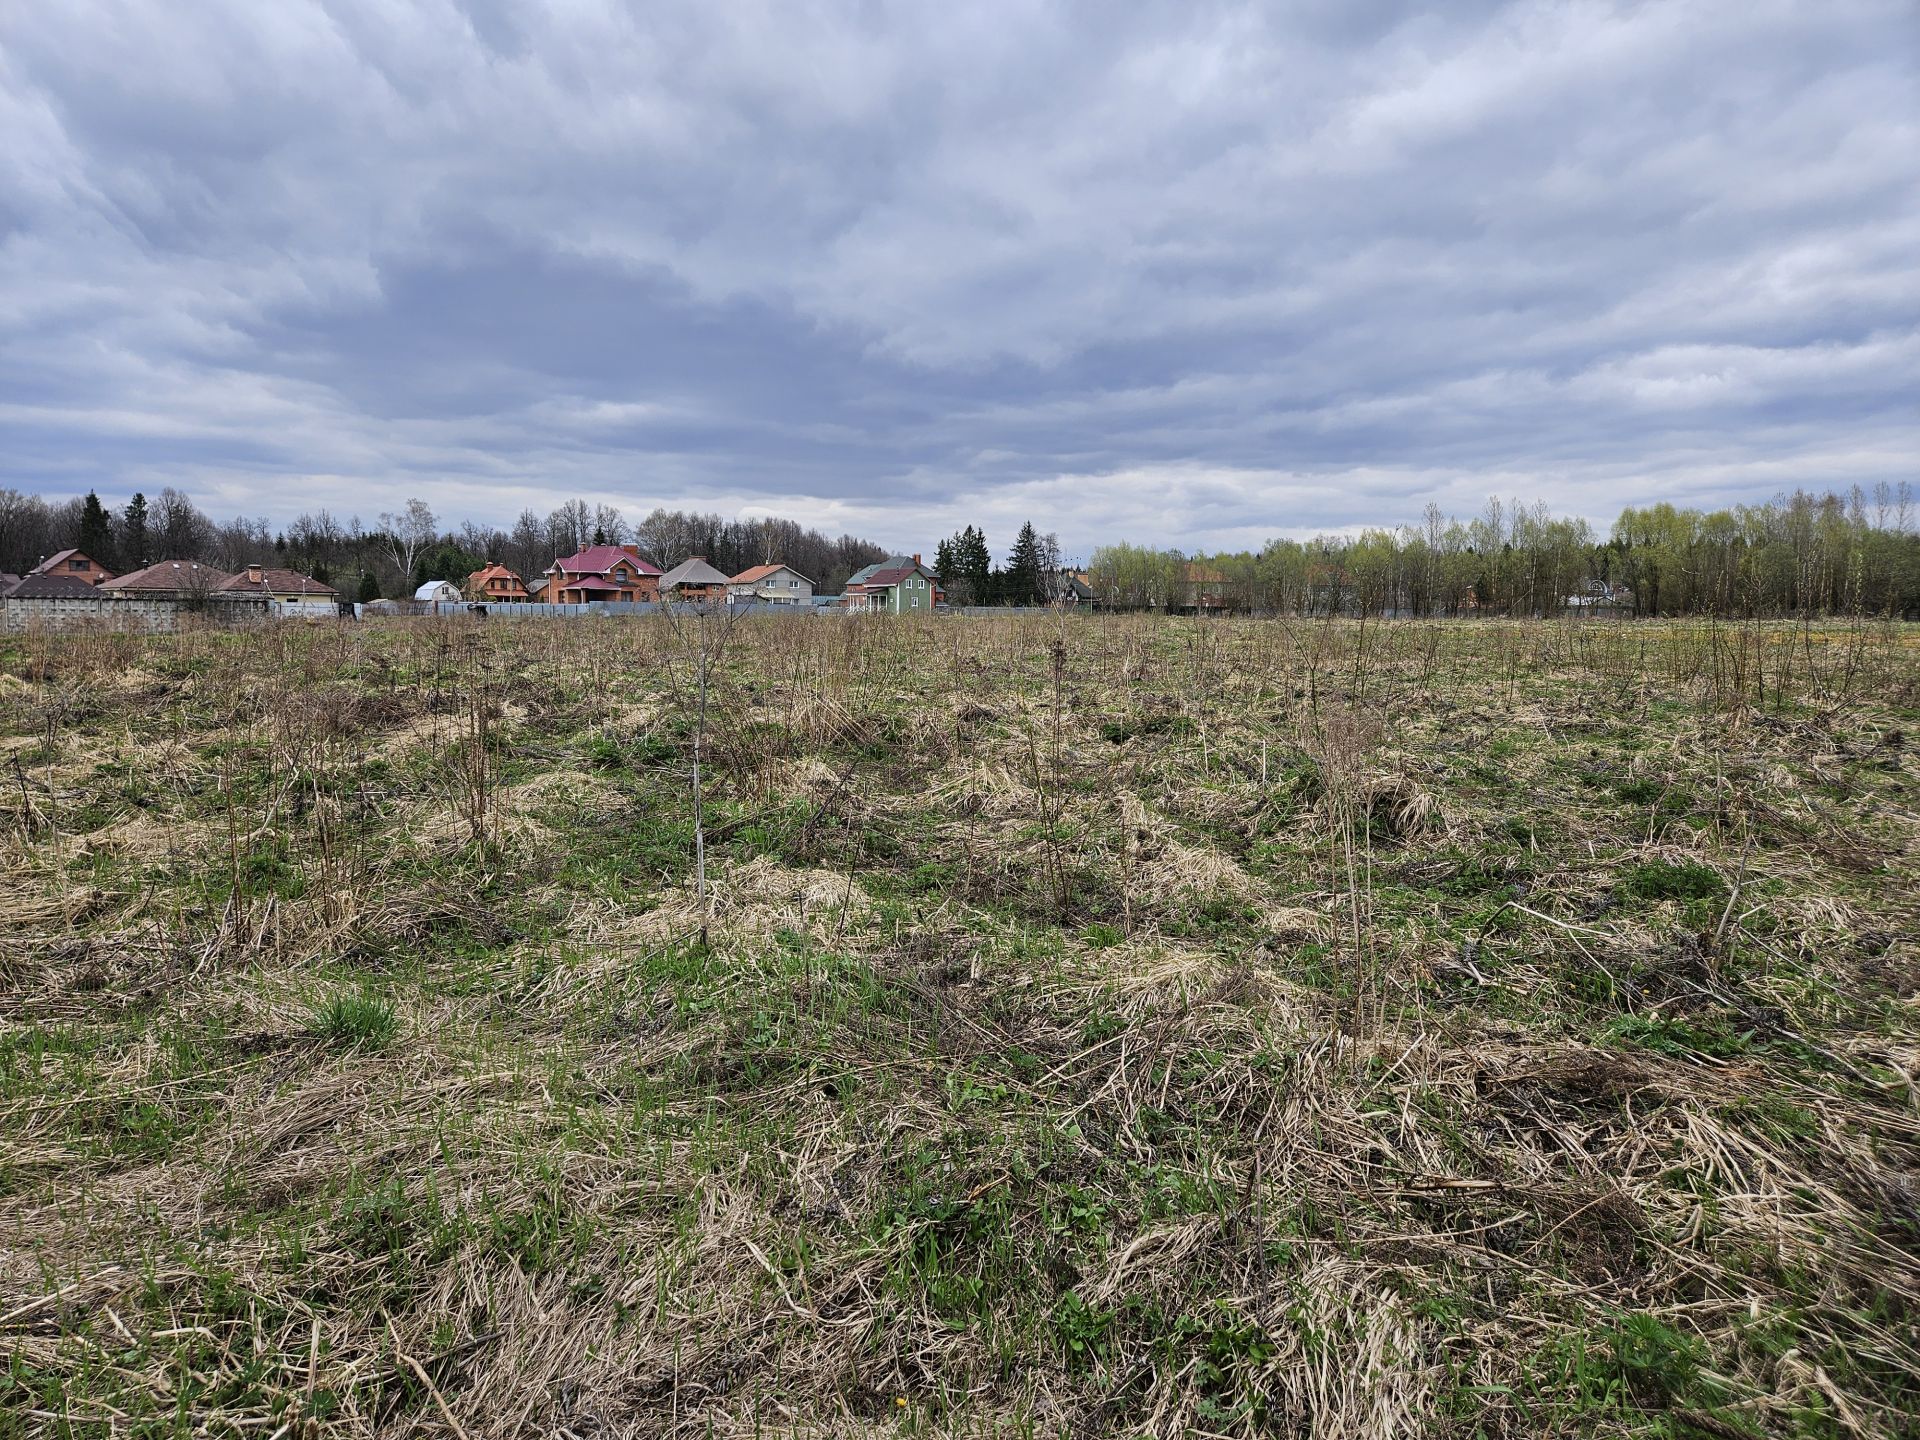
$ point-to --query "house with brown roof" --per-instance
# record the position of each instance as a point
(493, 583)
(602, 572)
(770, 585)
(156, 596)
(73, 562)
(897, 585)
(1072, 588)
(285, 592)
(694, 582)
(184, 580)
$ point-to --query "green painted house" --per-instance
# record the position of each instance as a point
(898, 585)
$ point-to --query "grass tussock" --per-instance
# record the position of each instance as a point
(1085, 1026)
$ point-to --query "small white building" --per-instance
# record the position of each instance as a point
(770, 585)
(441, 592)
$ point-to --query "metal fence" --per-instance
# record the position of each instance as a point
(535, 610)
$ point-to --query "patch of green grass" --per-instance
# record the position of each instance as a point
(354, 1020)
(1672, 880)
(1666, 1035)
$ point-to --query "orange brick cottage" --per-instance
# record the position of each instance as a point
(602, 572)
(495, 582)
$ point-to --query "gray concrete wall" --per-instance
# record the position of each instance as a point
(126, 612)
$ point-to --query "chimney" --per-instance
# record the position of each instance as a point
(916, 557)
(633, 550)
(254, 576)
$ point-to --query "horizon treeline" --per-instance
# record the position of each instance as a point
(1802, 553)
(405, 549)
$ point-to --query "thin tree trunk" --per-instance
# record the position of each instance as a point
(699, 796)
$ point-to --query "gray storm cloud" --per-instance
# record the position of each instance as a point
(1201, 273)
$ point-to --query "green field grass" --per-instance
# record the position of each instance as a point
(1102, 1025)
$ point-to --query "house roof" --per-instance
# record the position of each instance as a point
(169, 576)
(695, 571)
(590, 582)
(890, 571)
(38, 586)
(598, 559)
(275, 582)
(60, 557)
(494, 570)
(7, 581)
(761, 572)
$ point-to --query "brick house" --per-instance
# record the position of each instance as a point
(496, 584)
(602, 572)
(73, 562)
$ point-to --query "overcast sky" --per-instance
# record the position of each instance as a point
(1193, 274)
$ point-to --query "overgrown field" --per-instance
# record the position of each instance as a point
(1103, 1025)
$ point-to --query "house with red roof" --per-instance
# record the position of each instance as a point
(602, 572)
(770, 585)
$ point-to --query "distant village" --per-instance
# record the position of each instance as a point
(71, 588)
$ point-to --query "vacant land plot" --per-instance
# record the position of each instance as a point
(1101, 1026)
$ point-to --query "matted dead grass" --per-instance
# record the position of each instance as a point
(1191, 1029)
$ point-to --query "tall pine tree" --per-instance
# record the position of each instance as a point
(96, 531)
(975, 564)
(965, 568)
(133, 533)
(1023, 568)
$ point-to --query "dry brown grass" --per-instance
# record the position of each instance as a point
(1191, 1028)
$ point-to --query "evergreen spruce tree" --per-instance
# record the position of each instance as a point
(1023, 568)
(96, 530)
(974, 564)
(133, 533)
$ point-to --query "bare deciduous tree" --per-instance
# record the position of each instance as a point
(409, 532)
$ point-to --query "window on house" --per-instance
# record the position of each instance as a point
(76, 564)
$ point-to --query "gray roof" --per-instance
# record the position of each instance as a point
(890, 571)
(55, 587)
(692, 572)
